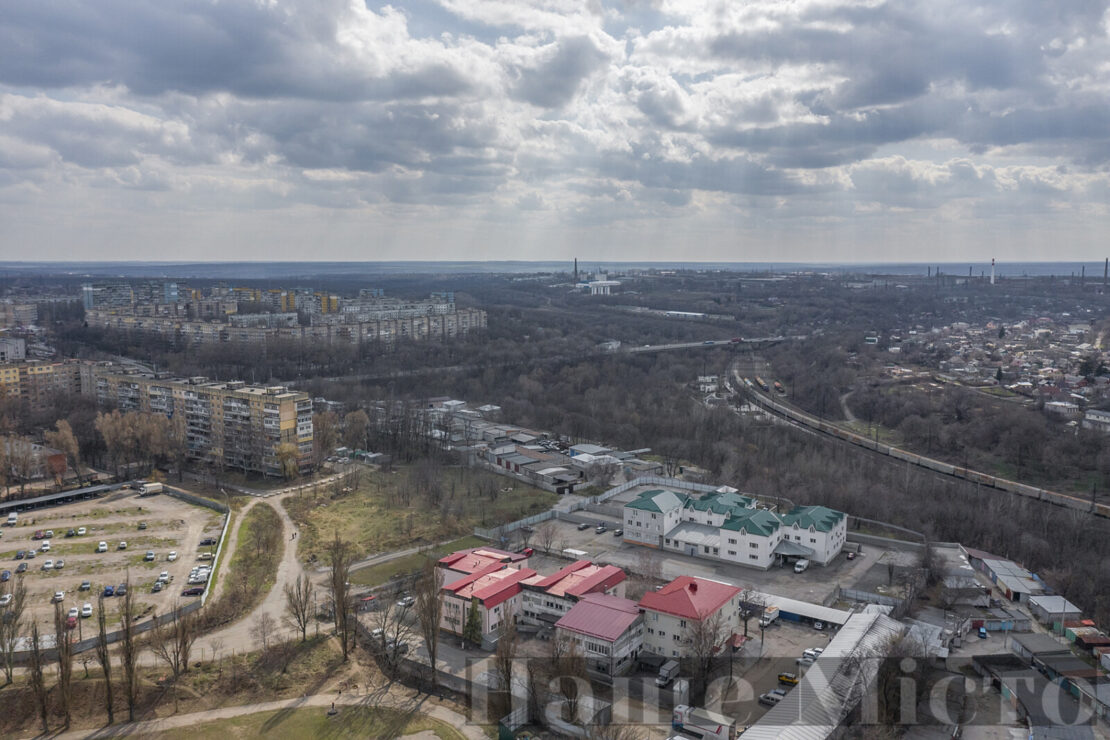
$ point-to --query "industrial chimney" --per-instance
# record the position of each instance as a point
(992, 270)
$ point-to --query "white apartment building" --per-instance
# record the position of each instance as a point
(547, 599)
(608, 630)
(673, 613)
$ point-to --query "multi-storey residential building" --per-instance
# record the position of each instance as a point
(38, 383)
(549, 598)
(18, 314)
(609, 631)
(688, 611)
(725, 525)
(494, 591)
(12, 349)
(237, 424)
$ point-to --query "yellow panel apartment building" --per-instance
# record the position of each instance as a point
(238, 424)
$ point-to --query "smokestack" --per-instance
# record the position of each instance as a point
(576, 269)
(1105, 271)
(1083, 275)
(992, 270)
(929, 271)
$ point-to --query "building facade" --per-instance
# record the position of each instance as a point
(608, 630)
(494, 592)
(688, 611)
(547, 599)
(239, 425)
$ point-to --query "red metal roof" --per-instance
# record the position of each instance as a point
(600, 615)
(579, 578)
(491, 585)
(478, 558)
(689, 597)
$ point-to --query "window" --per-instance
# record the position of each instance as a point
(731, 552)
(731, 541)
(753, 557)
(706, 548)
(754, 545)
(813, 539)
(682, 623)
(662, 633)
(668, 540)
(653, 516)
(716, 551)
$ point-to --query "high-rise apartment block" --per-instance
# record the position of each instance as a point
(238, 425)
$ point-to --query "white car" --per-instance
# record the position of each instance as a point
(81, 531)
(59, 564)
(48, 565)
(86, 610)
(5, 599)
(59, 596)
(172, 556)
(102, 547)
(121, 546)
(73, 612)
(164, 576)
(45, 546)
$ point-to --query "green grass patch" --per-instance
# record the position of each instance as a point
(886, 436)
(381, 573)
(253, 568)
(412, 506)
(378, 722)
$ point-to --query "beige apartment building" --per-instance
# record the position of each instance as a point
(237, 424)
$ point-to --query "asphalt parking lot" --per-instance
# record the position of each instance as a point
(170, 525)
(814, 585)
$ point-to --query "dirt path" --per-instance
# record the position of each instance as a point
(397, 698)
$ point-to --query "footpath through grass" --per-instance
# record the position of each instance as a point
(251, 573)
(381, 573)
(369, 722)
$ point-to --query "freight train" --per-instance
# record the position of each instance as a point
(939, 466)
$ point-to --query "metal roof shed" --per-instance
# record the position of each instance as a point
(798, 610)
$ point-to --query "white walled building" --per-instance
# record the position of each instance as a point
(546, 599)
(673, 612)
(609, 631)
(496, 591)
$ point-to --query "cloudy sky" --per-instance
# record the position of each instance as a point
(831, 130)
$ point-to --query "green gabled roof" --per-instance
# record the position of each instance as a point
(658, 500)
(722, 503)
(754, 521)
(821, 518)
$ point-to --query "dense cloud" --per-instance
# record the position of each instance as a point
(557, 115)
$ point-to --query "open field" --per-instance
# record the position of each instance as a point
(377, 574)
(171, 525)
(393, 511)
(315, 723)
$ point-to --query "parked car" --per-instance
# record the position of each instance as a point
(164, 576)
(818, 625)
(771, 698)
(805, 662)
(399, 646)
(528, 528)
(71, 533)
(194, 591)
(149, 557)
(73, 611)
(205, 556)
(45, 546)
(31, 554)
(85, 585)
(59, 596)
(618, 532)
(109, 590)
(20, 554)
(812, 653)
(601, 529)
(81, 531)
(172, 556)
(38, 535)
(121, 590)
(5, 599)
(71, 622)
(121, 546)
(5, 575)
(528, 552)
(48, 565)
(156, 587)
(208, 541)
(142, 525)
(982, 633)
(21, 568)
(102, 547)
(48, 535)
(59, 564)
(583, 525)
(86, 610)
(852, 555)
(406, 602)
(788, 678)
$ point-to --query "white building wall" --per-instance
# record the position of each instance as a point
(668, 635)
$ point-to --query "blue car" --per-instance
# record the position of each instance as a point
(5, 575)
(109, 591)
(982, 633)
(121, 590)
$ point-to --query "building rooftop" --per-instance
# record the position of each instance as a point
(1054, 604)
(490, 586)
(580, 578)
(658, 500)
(821, 518)
(754, 521)
(600, 615)
(478, 558)
(722, 503)
(690, 597)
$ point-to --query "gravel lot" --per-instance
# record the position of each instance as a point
(171, 524)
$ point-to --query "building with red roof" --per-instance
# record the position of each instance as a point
(609, 631)
(674, 614)
(475, 559)
(548, 598)
(495, 590)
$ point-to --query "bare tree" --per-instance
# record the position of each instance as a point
(504, 656)
(391, 633)
(64, 440)
(104, 657)
(129, 649)
(546, 535)
(705, 639)
(298, 604)
(35, 674)
(263, 630)
(568, 672)
(63, 648)
(11, 626)
(21, 457)
(429, 608)
(172, 642)
(340, 556)
(752, 604)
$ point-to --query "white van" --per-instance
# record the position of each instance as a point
(13, 519)
(801, 565)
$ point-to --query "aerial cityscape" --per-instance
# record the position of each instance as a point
(670, 370)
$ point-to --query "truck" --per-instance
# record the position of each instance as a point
(667, 672)
(770, 614)
(149, 489)
(702, 723)
(801, 566)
